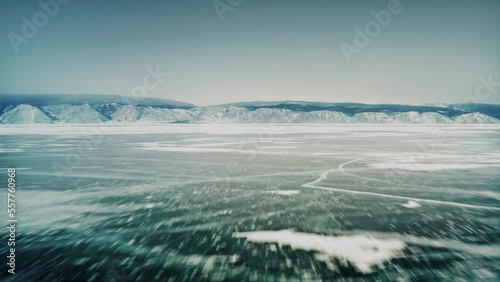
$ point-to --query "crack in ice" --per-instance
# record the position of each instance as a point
(417, 200)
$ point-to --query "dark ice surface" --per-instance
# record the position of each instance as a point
(164, 203)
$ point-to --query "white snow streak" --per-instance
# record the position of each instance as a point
(362, 251)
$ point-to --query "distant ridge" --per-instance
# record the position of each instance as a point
(451, 110)
(56, 108)
(59, 99)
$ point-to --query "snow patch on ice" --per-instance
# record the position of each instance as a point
(429, 167)
(163, 148)
(328, 131)
(411, 205)
(10, 150)
(284, 192)
(200, 148)
(362, 251)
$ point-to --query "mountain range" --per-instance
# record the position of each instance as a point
(30, 109)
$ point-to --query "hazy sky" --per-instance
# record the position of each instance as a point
(431, 51)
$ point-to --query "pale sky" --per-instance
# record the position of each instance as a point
(429, 52)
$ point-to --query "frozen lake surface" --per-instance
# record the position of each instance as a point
(255, 202)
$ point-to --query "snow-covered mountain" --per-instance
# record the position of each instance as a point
(93, 109)
(492, 110)
(24, 114)
(275, 115)
(74, 113)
